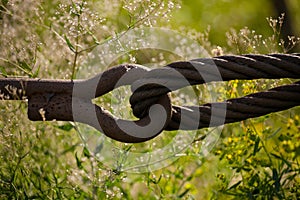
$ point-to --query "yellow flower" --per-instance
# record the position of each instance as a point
(290, 122)
(229, 156)
(249, 160)
(235, 139)
(188, 186)
(284, 142)
(239, 152)
(218, 152)
(198, 172)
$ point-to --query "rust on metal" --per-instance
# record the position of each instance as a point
(68, 100)
(57, 100)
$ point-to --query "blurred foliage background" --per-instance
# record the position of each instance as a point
(222, 15)
(254, 159)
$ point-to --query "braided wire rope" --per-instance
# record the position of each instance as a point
(231, 67)
(56, 97)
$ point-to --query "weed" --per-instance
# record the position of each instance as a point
(257, 158)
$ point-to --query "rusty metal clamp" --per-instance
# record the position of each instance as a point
(67, 100)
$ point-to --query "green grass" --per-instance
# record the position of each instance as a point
(255, 159)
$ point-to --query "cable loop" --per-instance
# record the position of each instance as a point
(231, 67)
(71, 100)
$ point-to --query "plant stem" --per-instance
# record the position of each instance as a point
(76, 53)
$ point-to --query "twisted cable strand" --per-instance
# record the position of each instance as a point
(198, 71)
(238, 109)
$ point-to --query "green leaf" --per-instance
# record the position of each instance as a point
(184, 193)
(282, 159)
(66, 127)
(71, 47)
(3, 71)
(128, 148)
(36, 73)
(25, 66)
(78, 162)
(256, 145)
(94, 37)
(86, 152)
(276, 179)
(275, 155)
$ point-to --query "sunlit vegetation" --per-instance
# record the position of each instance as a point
(255, 159)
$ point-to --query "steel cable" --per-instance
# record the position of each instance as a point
(198, 71)
(71, 100)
